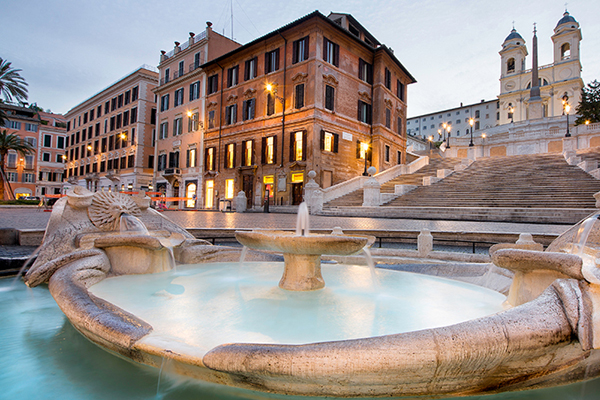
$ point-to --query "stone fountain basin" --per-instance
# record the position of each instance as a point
(312, 244)
(529, 346)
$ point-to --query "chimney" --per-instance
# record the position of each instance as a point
(177, 49)
(163, 55)
(191, 39)
(208, 26)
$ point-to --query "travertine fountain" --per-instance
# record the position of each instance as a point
(548, 335)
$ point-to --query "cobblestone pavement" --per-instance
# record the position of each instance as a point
(32, 218)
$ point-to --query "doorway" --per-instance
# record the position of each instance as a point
(297, 193)
(248, 188)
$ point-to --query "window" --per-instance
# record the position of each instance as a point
(364, 112)
(197, 60)
(177, 126)
(113, 104)
(329, 97)
(13, 125)
(164, 103)
(387, 153)
(162, 162)
(133, 116)
(250, 69)
(163, 132)
(191, 158)
(174, 159)
(300, 50)
(46, 157)
(231, 114)
(458, 121)
(126, 118)
(60, 142)
(29, 162)
(119, 119)
(103, 145)
(130, 161)
(97, 130)
(249, 106)
(388, 79)
(271, 61)
(193, 122)
(362, 150)
(331, 52)
(106, 109)
(120, 101)
(400, 90)
(399, 126)
(398, 157)
(476, 113)
(12, 176)
(298, 146)
(232, 76)
(150, 162)
(213, 84)
(269, 152)
(229, 189)
(178, 98)
(167, 75)
(127, 101)
(31, 127)
(248, 153)
(230, 155)
(329, 141)
(85, 118)
(209, 159)
(270, 104)
(31, 141)
(180, 70)
(99, 111)
(565, 51)
(299, 96)
(12, 160)
(59, 158)
(365, 71)
(388, 118)
(47, 140)
(134, 93)
(210, 194)
(476, 125)
(510, 65)
(211, 119)
(195, 91)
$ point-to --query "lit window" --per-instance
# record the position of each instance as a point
(270, 150)
(248, 153)
(229, 188)
(298, 146)
(210, 194)
(230, 158)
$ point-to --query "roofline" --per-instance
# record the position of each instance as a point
(299, 21)
(453, 109)
(145, 67)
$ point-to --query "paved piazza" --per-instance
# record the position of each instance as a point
(33, 218)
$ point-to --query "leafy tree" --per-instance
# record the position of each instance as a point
(589, 108)
(10, 141)
(12, 86)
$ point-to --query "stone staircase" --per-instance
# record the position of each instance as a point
(528, 181)
(355, 199)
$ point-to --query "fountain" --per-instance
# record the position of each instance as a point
(137, 307)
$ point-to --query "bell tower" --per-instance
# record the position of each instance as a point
(566, 39)
(512, 59)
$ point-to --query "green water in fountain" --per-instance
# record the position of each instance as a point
(43, 357)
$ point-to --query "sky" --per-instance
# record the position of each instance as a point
(69, 50)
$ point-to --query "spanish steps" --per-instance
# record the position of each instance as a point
(516, 188)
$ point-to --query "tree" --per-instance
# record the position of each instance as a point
(589, 108)
(10, 141)
(12, 86)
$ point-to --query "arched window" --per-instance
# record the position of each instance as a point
(565, 51)
(510, 65)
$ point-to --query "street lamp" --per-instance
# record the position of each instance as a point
(444, 126)
(448, 128)
(511, 110)
(471, 122)
(430, 139)
(566, 109)
(364, 147)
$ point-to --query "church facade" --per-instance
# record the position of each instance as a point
(561, 77)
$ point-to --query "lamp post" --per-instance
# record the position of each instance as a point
(566, 109)
(511, 110)
(471, 122)
(448, 128)
(430, 139)
(444, 126)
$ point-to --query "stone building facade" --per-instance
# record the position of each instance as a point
(320, 93)
(51, 155)
(110, 142)
(178, 157)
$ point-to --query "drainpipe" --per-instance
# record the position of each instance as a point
(283, 101)
(218, 155)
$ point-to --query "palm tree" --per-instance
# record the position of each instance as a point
(12, 86)
(10, 141)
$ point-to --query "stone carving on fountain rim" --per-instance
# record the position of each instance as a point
(107, 208)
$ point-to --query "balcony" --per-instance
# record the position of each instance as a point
(113, 176)
(171, 174)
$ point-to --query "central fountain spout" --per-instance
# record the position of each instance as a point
(302, 251)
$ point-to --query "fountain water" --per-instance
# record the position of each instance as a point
(148, 316)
